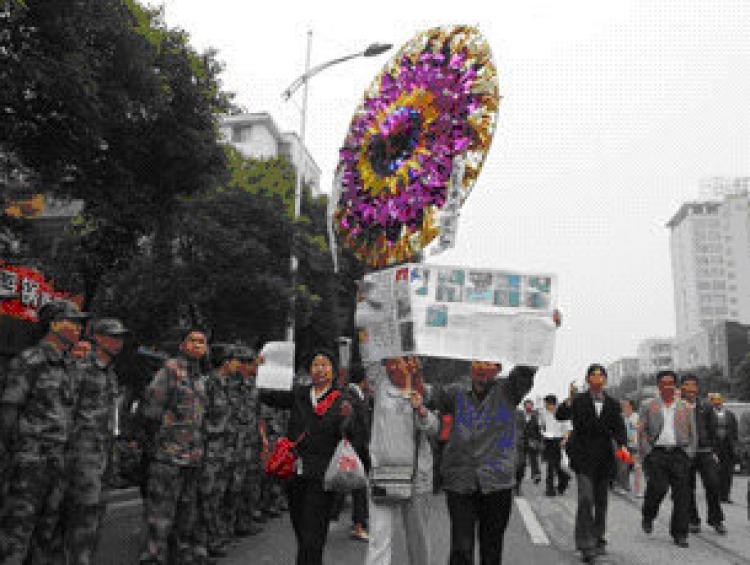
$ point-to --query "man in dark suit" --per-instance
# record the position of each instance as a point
(597, 423)
(726, 435)
(531, 435)
(706, 460)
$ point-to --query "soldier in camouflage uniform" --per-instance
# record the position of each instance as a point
(214, 478)
(175, 405)
(245, 449)
(269, 487)
(36, 410)
(91, 440)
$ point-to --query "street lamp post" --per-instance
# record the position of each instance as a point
(303, 80)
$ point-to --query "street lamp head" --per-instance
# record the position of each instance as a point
(377, 49)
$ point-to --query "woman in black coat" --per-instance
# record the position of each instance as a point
(597, 425)
(318, 419)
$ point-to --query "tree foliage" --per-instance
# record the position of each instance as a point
(107, 105)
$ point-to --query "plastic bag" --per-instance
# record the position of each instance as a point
(345, 471)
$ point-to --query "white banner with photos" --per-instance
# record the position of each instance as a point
(458, 312)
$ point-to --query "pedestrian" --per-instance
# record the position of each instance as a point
(319, 419)
(597, 426)
(625, 470)
(91, 440)
(35, 414)
(706, 460)
(553, 434)
(400, 455)
(479, 461)
(726, 435)
(175, 406)
(667, 443)
(531, 445)
(361, 425)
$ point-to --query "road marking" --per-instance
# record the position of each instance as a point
(538, 537)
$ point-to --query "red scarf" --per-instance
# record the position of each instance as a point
(323, 405)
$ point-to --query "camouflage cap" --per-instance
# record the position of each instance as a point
(58, 309)
(222, 352)
(108, 326)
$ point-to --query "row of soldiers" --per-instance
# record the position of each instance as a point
(56, 429)
(56, 401)
(204, 480)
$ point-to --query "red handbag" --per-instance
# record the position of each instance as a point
(280, 463)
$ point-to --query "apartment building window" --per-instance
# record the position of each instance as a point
(236, 135)
(719, 285)
(733, 314)
(707, 311)
(704, 285)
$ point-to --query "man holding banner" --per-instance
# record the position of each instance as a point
(478, 465)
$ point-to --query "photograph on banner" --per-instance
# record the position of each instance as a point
(461, 313)
(277, 370)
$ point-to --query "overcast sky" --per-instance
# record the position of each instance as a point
(612, 112)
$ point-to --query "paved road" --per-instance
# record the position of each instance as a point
(540, 532)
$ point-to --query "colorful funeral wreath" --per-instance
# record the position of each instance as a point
(434, 100)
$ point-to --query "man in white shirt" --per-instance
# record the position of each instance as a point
(553, 433)
(667, 442)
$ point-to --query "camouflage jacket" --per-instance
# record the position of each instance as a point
(216, 421)
(43, 391)
(93, 418)
(243, 436)
(176, 399)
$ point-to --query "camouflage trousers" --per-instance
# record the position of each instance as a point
(83, 507)
(170, 514)
(30, 515)
(271, 493)
(243, 495)
(212, 486)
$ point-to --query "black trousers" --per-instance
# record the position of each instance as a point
(553, 456)
(309, 510)
(667, 469)
(726, 469)
(490, 512)
(705, 464)
(359, 507)
(591, 514)
(532, 455)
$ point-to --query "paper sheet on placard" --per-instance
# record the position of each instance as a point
(460, 313)
(277, 370)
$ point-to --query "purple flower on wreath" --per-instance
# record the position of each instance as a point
(397, 157)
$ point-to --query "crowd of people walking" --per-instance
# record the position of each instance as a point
(207, 432)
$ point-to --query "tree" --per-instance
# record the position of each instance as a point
(107, 105)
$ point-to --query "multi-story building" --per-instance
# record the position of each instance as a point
(710, 250)
(621, 369)
(256, 135)
(698, 267)
(656, 354)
